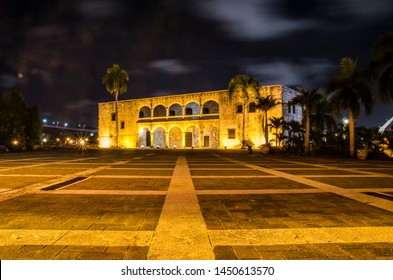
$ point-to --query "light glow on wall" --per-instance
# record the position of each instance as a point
(105, 142)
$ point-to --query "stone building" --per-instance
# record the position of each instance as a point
(193, 120)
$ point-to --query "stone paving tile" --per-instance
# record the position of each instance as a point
(353, 182)
(284, 165)
(319, 172)
(100, 256)
(10, 182)
(224, 253)
(223, 166)
(245, 253)
(134, 172)
(143, 166)
(161, 184)
(57, 252)
(381, 171)
(246, 183)
(245, 172)
(43, 171)
(136, 253)
(290, 211)
(337, 251)
(46, 211)
(67, 255)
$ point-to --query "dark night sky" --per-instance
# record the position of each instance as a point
(64, 47)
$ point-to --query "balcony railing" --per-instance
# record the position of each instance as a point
(179, 118)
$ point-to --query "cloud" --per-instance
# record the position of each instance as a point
(81, 104)
(309, 73)
(364, 8)
(47, 31)
(170, 66)
(8, 81)
(252, 19)
(100, 8)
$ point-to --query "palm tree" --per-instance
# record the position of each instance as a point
(276, 123)
(321, 121)
(381, 66)
(350, 91)
(265, 103)
(295, 135)
(321, 117)
(246, 86)
(307, 99)
(115, 82)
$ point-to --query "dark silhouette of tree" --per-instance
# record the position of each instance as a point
(350, 90)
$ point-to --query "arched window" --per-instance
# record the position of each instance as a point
(175, 110)
(211, 106)
(239, 109)
(159, 111)
(144, 112)
(206, 111)
(251, 107)
(192, 108)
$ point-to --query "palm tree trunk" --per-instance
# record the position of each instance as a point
(266, 129)
(117, 122)
(351, 134)
(276, 137)
(244, 122)
(307, 140)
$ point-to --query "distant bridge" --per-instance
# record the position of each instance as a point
(70, 129)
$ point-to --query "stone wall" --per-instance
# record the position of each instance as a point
(208, 129)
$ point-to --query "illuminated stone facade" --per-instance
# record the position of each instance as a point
(194, 120)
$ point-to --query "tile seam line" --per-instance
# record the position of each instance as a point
(363, 198)
(337, 168)
(174, 221)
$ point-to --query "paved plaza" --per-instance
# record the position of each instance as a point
(193, 204)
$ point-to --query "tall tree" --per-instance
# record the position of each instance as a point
(276, 124)
(381, 66)
(33, 126)
(266, 103)
(295, 135)
(349, 91)
(115, 82)
(321, 117)
(18, 121)
(307, 99)
(246, 86)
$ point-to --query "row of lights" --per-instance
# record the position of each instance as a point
(68, 140)
(45, 122)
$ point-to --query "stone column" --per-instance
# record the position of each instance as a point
(201, 139)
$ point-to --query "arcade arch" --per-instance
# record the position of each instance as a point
(159, 138)
(159, 111)
(144, 112)
(175, 110)
(210, 107)
(144, 138)
(175, 137)
(210, 137)
(192, 137)
(192, 108)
